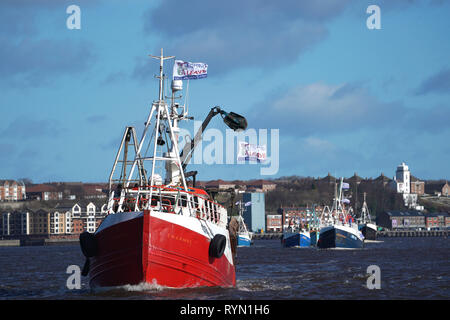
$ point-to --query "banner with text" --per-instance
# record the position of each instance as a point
(251, 152)
(189, 70)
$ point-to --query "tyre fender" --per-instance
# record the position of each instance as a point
(217, 246)
(88, 244)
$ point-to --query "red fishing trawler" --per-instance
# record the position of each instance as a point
(164, 233)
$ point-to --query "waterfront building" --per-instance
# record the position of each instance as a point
(297, 215)
(432, 221)
(11, 190)
(412, 220)
(55, 222)
(254, 213)
(12, 223)
(274, 222)
(39, 222)
(84, 216)
(401, 220)
(26, 222)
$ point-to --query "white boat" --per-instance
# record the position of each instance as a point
(244, 236)
(365, 224)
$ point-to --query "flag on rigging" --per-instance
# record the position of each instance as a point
(183, 70)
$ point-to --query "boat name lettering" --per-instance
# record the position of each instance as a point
(179, 238)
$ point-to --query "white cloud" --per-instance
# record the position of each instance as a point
(324, 108)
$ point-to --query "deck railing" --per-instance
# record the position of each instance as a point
(170, 200)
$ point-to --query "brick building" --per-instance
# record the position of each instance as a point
(417, 186)
(402, 220)
(296, 215)
(432, 221)
(412, 220)
(260, 185)
(44, 192)
(27, 222)
(11, 190)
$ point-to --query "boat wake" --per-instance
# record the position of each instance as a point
(144, 286)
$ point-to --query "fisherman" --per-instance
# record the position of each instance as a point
(233, 228)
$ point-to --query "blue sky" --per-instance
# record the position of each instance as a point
(345, 98)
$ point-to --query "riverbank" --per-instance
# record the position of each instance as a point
(37, 242)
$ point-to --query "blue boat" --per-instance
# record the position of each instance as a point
(296, 239)
(342, 232)
(244, 240)
(340, 236)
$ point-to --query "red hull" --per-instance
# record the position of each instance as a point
(153, 250)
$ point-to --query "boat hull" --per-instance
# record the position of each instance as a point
(369, 232)
(159, 249)
(244, 241)
(314, 235)
(296, 239)
(340, 237)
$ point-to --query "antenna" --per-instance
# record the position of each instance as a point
(161, 75)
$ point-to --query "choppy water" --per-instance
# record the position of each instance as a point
(411, 268)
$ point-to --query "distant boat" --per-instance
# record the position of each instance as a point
(369, 231)
(315, 225)
(340, 236)
(314, 237)
(365, 224)
(296, 236)
(342, 232)
(296, 239)
(244, 236)
(244, 240)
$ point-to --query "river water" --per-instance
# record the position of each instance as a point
(410, 268)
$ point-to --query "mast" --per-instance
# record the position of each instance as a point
(162, 113)
(161, 71)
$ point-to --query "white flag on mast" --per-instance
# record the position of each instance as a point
(183, 70)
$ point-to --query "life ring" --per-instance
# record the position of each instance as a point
(88, 244)
(217, 246)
